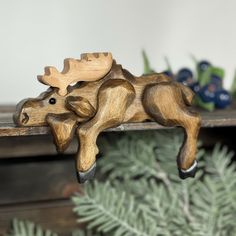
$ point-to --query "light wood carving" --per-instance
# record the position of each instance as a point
(91, 67)
(106, 96)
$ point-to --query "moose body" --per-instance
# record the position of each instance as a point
(89, 107)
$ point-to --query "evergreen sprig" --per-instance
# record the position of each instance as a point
(144, 168)
(27, 228)
(112, 210)
(144, 155)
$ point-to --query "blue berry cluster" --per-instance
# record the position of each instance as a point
(207, 85)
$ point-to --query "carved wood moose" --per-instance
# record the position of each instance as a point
(105, 95)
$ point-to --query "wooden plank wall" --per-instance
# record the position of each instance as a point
(55, 215)
(38, 189)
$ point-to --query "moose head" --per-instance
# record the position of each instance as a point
(60, 106)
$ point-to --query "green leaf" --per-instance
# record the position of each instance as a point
(168, 65)
(209, 106)
(233, 86)
(146, 63)
(218, 72)
(205, 77)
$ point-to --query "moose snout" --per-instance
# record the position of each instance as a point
(21, 117)
(33, 111)
(24, 118)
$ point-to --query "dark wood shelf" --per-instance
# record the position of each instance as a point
(219, 118)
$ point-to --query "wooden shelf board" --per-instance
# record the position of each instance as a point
(219, 118)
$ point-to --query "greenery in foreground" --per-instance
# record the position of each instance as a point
(141, 194)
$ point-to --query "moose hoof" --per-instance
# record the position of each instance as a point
(87, 175)
(183, 174)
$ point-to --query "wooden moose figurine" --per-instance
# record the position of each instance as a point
(94, 93)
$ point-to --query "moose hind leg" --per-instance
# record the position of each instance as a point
(166, 104)
(114, 97)
(186, 159)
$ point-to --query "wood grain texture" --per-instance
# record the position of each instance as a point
(28, 146)
(63, 128)
(55, 215)
(167, 103)
(218, 118)
(114, 97)
(81, 106)
(99, 104)
(37, 179)
(91, 67)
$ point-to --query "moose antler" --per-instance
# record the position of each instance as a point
(91, 67)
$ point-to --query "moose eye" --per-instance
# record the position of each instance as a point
(52, 101)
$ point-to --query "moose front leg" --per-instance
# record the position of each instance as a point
(114, 97)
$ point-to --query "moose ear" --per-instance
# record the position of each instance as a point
(63, 127)
(81, 106)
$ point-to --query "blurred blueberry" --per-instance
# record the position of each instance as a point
(222, 99)
(168, 73)
(203, 65)
(185, 75)
(195, 86)
(208, 93)
(215, 79)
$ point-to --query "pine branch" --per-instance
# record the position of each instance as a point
(219, 166)
(158, 150)
(214, 204)
(85, 232)
(136, 157)
(27, 228)
(211, 213)
(108, 210)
